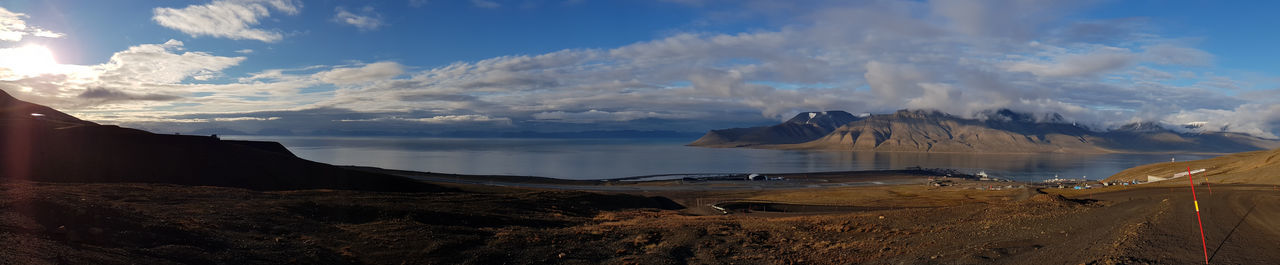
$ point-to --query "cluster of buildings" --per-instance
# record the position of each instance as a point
(763, 177)
(1061, 183)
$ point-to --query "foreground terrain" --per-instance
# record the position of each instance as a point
(62, 223)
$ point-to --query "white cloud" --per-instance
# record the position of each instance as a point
(14, 28)
(1000, 18)
(485, 4)
(135, 79)
(892, 81)
(107, 95)
(854, 67)
(1147, 73)
(366, 73)
(367, 20)
(1255, 119)
(225, 119)
(232, 19)
(1220, 82)
(163, 64)
(689, 2)
(244, 51)
(1104, 60)
(462, 118)
(597, 116)
(1168, 54)
(269, 74)
(443, 119)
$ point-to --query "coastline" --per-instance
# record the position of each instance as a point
(790, 181)
(796, 147)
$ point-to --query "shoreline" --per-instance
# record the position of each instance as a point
(717, 182)
(792, 147)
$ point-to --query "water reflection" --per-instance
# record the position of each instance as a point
(611, 158)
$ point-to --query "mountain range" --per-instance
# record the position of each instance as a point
(42, 144)
(996, 131)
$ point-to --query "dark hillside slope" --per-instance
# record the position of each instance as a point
(57, 147)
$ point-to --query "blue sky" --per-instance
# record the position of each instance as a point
(1235, 33)
(432, 34)
(686, 65)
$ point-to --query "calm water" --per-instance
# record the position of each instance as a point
(613, 158)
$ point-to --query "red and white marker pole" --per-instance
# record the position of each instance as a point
(1206, 184)
(1203, 245)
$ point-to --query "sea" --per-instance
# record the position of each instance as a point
(587, 159)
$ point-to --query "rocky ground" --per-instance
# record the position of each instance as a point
(65, 223)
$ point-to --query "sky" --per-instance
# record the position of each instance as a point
(436, 66)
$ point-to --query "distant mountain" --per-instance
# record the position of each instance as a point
(625, 133)
(1141, 127)
(43, 144)
(933, 131)
(595, 134)
(826, 119)
(275, 132)
(1154, 137)
(217, 131)
(804, 127)
(998, 131)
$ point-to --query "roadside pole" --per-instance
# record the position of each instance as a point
(1204, 246)
(1206, 182)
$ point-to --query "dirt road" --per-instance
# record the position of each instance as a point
(1146, 225)
(1135, 226)
(1241, 225)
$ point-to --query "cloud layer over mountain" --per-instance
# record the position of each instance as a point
(956, 56)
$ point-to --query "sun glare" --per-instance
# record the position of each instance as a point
(28, 60)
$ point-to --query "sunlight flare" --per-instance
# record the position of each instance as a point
(29, 60)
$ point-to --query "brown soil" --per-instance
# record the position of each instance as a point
(1258, 167)
(45, 223)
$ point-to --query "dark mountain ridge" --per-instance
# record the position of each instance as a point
(1139, 127)
(996, 131)
(804, 127)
